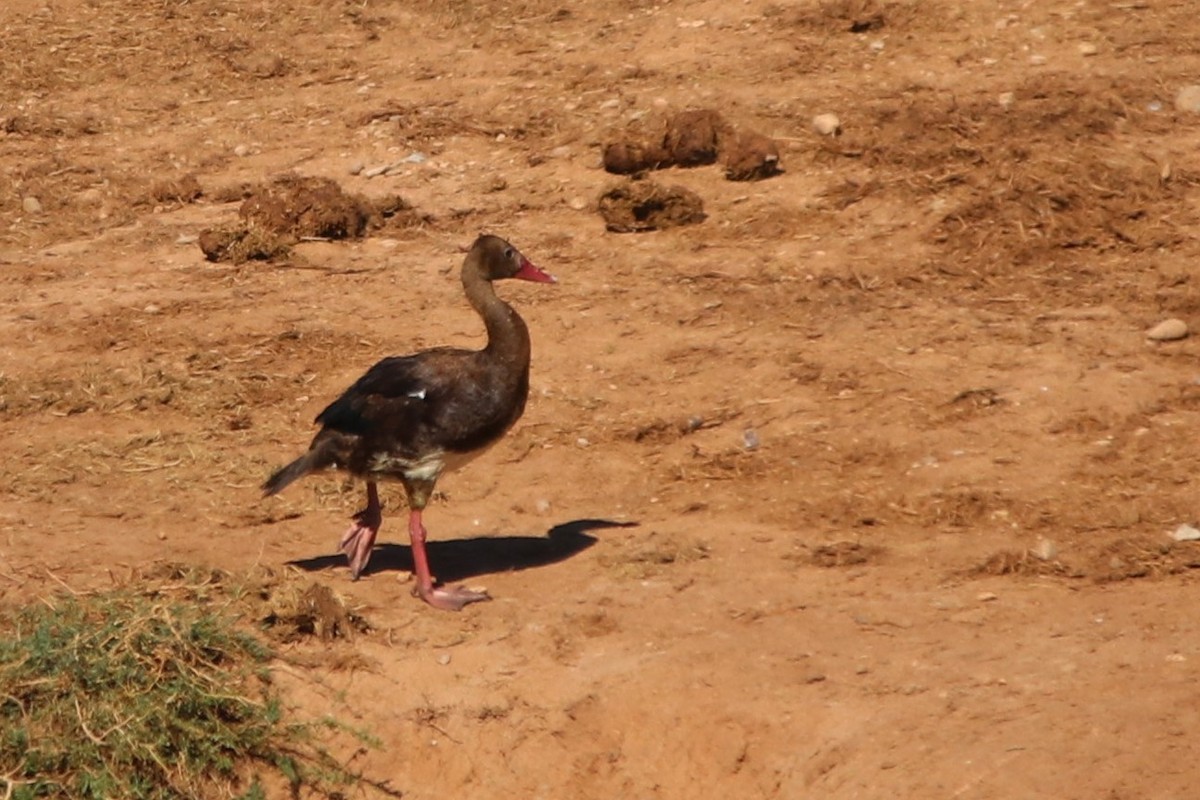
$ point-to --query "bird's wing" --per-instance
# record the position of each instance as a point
(397, 393)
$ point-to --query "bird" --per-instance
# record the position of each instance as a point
(414, 418)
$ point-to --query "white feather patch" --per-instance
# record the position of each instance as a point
(419, 393)
(425, 468)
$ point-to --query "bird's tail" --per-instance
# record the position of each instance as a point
(319, 457)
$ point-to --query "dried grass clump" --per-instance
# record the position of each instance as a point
(1127, 559)
(1023, 562)
(844, 554)
(1118, 560)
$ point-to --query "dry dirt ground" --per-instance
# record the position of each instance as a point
(944, 570)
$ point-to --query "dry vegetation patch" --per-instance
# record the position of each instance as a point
(154, 690)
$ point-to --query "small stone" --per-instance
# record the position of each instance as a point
(1188, 99)
(542, 505)
(373, 171)
(444, 659)
(1037, 60)
(750, 439)
(986, 597)
(415, 157)
(1185, 533)
(1168, 330)
(560, 152)
(241, 151)
(1006, 100)
(612, 102)
(152, 308)
(1088, 49)
(356, 167)
(827, 124)
(582, 442)
(31, 205)
(578, 203)
(187, 238)
(1045, 549)
(90, 197)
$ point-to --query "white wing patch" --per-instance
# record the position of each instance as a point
(419, 393)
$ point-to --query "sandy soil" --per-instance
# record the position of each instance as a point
(944, 570)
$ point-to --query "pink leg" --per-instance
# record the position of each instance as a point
(360, 537)
(447, 599)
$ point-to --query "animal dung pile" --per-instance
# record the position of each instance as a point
(292, 208)
(300, 207)
(749, 156)
(237, 244)
(693, 139)
(640, 205)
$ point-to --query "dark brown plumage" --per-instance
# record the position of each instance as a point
(412, 418)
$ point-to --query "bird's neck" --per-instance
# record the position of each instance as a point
(508, 338)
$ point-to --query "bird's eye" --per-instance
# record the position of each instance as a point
(508, 253)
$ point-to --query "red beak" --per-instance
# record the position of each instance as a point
(528, 272)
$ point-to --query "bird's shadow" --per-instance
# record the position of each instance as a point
(459, 559)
